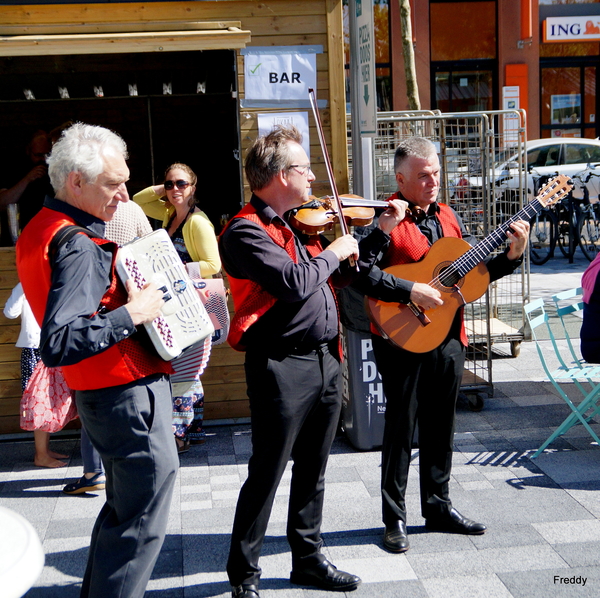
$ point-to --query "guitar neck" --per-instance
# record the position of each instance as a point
(479, 252)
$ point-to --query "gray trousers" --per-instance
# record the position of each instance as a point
(130, 426)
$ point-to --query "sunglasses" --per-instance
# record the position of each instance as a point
(179, 184)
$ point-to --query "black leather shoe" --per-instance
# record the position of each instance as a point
(395, 538)
(455, 523)
(325, 576)
(246, 591)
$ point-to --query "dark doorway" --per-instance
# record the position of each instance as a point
(169, 107)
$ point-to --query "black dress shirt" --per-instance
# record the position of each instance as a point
(72, 329)
(305, 314)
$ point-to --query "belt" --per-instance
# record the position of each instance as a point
(307, 350)
(278, 351)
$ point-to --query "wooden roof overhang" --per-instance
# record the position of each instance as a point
(101, 38)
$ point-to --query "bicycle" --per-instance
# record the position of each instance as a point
(578, 219)
(571, 223)
(542, 236)
(588, 227)
(567, 226)
(543, 231)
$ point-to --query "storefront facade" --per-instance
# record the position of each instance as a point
(471, 55)
(170, 78)
(569, 60)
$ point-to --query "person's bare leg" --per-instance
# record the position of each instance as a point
(57, 455)
(43, 456)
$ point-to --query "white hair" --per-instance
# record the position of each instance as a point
(81, 148)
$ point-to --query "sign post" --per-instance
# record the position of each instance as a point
(512, 122)
(363, 96)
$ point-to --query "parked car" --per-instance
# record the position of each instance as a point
(545, 157)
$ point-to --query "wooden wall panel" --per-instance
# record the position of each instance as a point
(10, 356)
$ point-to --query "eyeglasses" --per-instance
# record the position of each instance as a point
(179, 184)
(301, 168)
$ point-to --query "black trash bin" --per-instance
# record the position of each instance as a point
(363, 399)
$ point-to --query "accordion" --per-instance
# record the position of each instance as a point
(184, 321)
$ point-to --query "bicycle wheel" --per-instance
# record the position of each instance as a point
(542, 237)
(589, 234)
(566, 231)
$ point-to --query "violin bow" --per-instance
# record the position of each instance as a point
(338, 202)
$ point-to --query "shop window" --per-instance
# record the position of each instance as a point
(561, 98)
(464, 91)
(568, 100)
(589, 94)
(462, 30)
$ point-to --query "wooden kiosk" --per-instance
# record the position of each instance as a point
(153, 72)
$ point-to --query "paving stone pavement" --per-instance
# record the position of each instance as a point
(543, 515)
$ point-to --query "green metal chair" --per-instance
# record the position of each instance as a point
(574, 299)
(575, 305)
(578, 374)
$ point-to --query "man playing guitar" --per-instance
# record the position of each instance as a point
(422, 387)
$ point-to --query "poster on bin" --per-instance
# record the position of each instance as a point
(363, 399)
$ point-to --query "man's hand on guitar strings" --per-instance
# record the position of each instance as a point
(518, 235)
(393, 215)
(425, 297)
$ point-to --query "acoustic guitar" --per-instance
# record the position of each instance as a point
(457, 270)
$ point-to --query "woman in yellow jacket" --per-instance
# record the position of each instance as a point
(193, 235)
(174, 204)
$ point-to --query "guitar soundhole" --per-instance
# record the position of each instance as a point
(448, 276)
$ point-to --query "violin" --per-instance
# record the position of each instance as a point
(319, 214)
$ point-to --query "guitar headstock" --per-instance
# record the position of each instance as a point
(554, 190)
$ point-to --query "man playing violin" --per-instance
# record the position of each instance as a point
(423, 387)
(286, 320)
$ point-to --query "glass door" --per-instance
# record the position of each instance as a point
(463, 90)
(569, 100)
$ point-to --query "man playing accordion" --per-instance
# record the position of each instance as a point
(89, 321)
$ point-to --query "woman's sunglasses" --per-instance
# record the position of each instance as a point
(179, 184)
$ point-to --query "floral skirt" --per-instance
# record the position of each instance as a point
(188, 414)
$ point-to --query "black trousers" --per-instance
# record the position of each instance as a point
(295, 404)
(130, 427)
(423, 388)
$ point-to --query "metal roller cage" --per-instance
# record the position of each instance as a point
(471, 146)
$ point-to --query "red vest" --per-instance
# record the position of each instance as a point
(124, 362)
(408, 244)
(250, 300)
